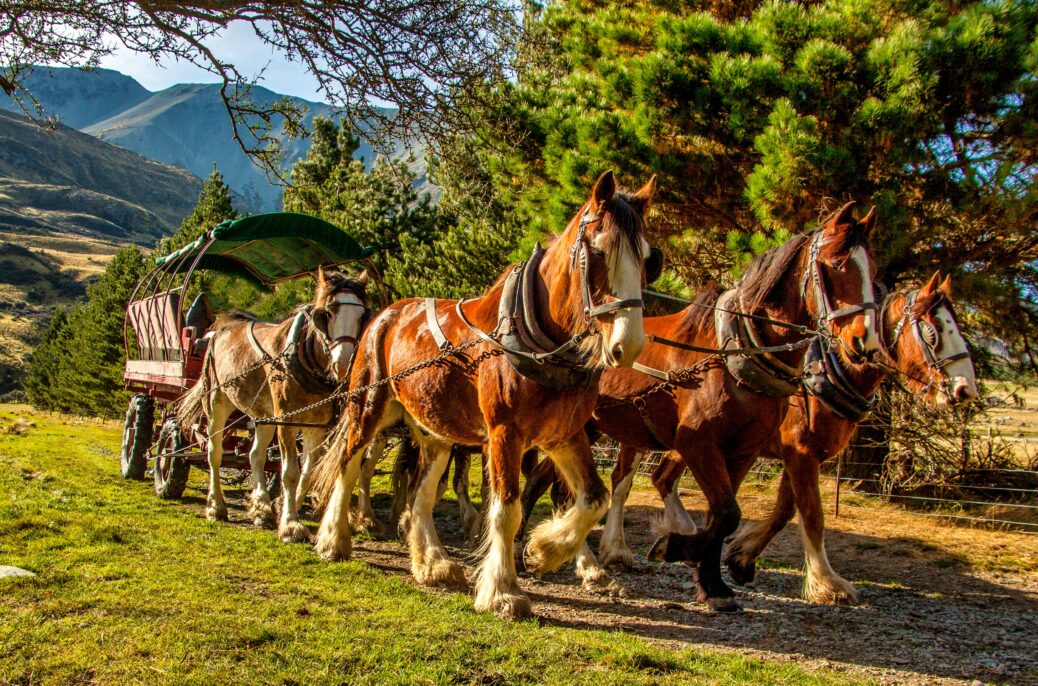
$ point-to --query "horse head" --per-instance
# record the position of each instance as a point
(837, 282)
(340, 312)
(931, 348)
(609, 245)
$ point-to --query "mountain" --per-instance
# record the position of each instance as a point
(185, 125)
(62, 181)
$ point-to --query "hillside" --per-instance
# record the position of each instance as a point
(184, 125)
(65, 181)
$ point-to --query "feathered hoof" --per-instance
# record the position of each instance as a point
(543, 557)
(658, 551)
(216, 513)
(742, 571)
(603, 585)
(441, 574)
(618, 559)
(333, 550)
(724, 606)
(403, 525)
(366, 524)
(510, 606)
(294, 532)
(826, 591)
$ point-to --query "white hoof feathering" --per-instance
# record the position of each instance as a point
(497, 588)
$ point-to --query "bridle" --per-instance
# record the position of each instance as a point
(579, 256)
(813, 276)
(927, 337)
(322, 329)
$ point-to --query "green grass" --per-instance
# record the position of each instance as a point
(134, 590)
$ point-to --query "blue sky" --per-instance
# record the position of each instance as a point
(238, 45)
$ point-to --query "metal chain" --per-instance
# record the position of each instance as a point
(682, 376)
(354, 392)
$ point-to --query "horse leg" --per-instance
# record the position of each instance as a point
(703, 548)
(260, 511)
(403, 486)
(219, 411)
(754, 536)
(430, 563)
(559, 539)
(497, 587)
(308, 462)
(666, 479)
(334, 537)
(613, 547)
(291, 530)
(539, 478)
(364, 518)
(821, 584)
(469, 514)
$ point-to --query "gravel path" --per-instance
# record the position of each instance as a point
(927, 614)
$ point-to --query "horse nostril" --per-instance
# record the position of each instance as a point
(618, 352)
(962, 393)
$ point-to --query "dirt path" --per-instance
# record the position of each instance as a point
(928, 615)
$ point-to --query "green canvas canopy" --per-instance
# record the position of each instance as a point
(268, 248)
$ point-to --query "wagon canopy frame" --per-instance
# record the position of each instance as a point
(264, 249)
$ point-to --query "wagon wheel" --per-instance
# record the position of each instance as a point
(137, 433)
(171, 470)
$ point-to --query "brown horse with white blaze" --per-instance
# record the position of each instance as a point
(718, 411)
(585, 297)
(921, 342)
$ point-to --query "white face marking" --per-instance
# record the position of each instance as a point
(345, 321)
(625, 334)
(860, 257)
(961, 374)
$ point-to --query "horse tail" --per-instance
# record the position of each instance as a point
(190, 407)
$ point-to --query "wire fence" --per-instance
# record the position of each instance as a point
(1007, 508)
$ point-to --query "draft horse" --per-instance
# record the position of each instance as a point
(554, 322)
(267, 370)
(718, 410)
(920, 341)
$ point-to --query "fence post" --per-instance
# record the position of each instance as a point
(839, 474)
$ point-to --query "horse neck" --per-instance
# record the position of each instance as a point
(785, 303)
(559, 303)
(865, 377)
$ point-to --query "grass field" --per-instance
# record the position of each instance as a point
(130, 589)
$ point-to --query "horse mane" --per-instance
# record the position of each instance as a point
(767, 270)
(233, 317)
(627, 221)
(699, 316)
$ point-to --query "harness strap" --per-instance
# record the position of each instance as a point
(434, 324)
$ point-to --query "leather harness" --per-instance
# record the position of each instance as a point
(529, 350)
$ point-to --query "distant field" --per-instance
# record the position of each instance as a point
(81, 255)
(1015, 422)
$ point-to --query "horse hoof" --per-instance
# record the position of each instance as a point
(742, 572)
(216, 513)
(619, 560)
(830, 593)
(508, 606)
(293, 532)
(441, 573)
(333, 551)
(724, 606)
(605, 586)
(368, 525)
(658, 551)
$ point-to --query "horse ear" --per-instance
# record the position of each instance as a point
(868, 222)
(645, 193)
(321, 280)
(945, 287)
(604, 190)
(363, 278)
(842, 220)
(931, 286)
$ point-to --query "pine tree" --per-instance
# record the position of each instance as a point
(214, 206)
(45, 365)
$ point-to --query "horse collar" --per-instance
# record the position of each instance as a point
(764, 374)
(825, 378)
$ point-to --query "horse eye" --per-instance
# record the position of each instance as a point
(595, 252)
